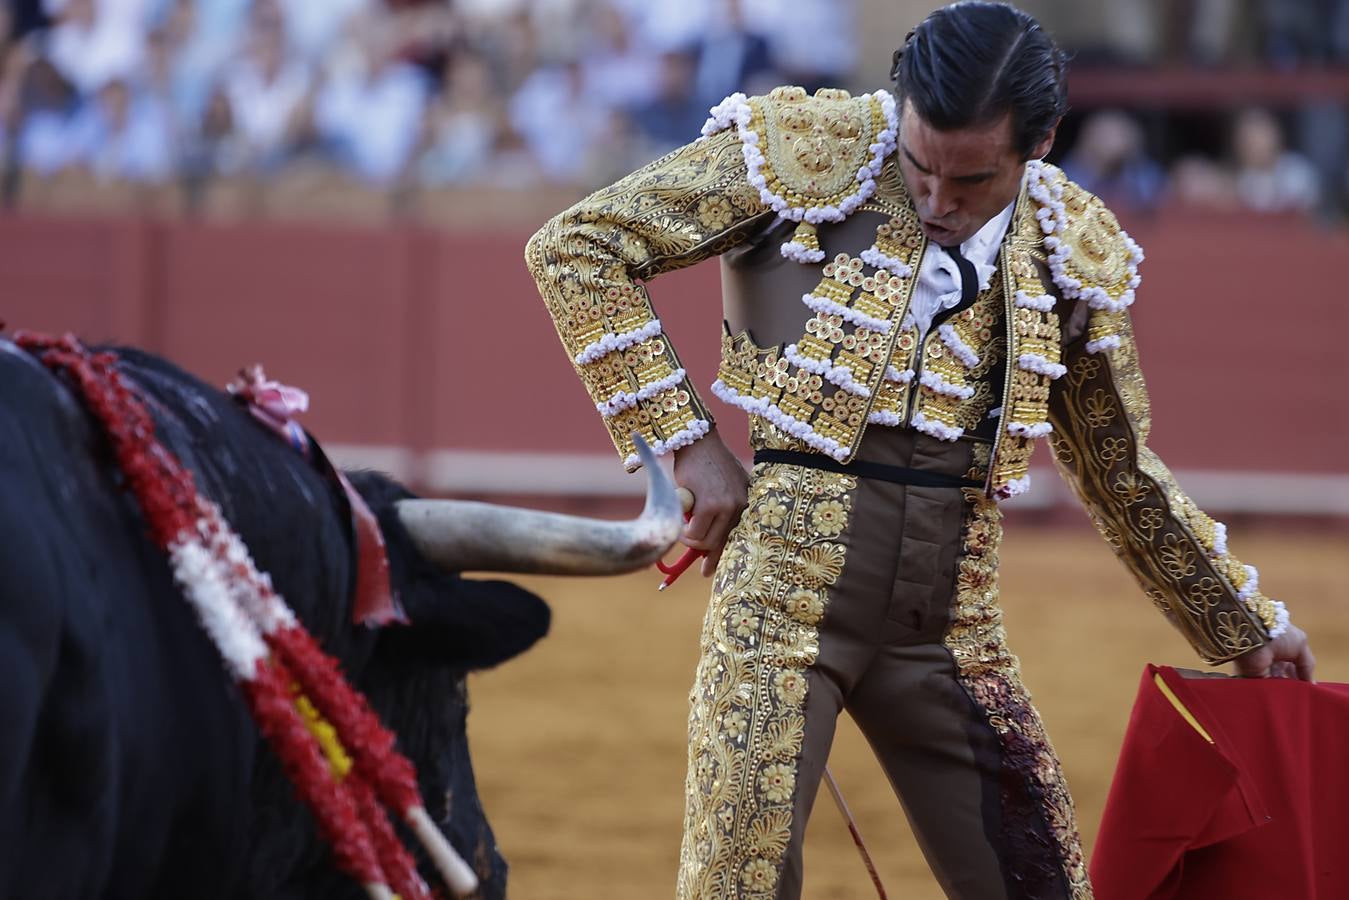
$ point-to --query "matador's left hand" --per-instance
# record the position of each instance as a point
(1287, 656)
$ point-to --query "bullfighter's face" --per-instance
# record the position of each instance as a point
(959, 178)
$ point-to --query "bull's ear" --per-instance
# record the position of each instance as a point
(474, 624)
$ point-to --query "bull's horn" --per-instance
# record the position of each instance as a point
(466, 536)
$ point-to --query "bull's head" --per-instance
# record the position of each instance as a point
(415, 676)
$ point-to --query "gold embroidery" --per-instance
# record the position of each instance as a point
(1029, 331)
(813, 146)
(1101, 419)
(746, 722)
(991, 675)
(974, 327)
(685, 207)
(1098, 257)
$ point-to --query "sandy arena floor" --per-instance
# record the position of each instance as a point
(579, 745)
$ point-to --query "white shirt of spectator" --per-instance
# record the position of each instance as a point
(315, 25)
(90, 57)
(1290, 185)
(262, 110)
(939, 287)
(375, 116)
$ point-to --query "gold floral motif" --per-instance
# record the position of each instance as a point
(1101, 409)
(746, 722)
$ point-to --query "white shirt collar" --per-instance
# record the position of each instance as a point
(939, 286)
(982, 249)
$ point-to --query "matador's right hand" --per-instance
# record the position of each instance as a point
(1287, 656)
(720, 486)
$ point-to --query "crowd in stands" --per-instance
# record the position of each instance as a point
(391, 93)
(408, 96)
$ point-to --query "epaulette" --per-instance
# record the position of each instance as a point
(1090, 255)
(814, 158)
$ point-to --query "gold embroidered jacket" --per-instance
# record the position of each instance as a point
(1046, 349)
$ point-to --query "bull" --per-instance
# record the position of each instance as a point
(129, 765)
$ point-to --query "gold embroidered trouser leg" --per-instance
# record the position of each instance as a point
(881, 599)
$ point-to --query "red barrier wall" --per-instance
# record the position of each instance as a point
(438, 340)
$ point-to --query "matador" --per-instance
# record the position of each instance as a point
(912, 301)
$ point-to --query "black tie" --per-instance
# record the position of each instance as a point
(969, 281)
(969, 287)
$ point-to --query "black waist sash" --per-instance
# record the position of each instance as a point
(862, 469)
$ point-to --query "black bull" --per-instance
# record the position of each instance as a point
(129, 766)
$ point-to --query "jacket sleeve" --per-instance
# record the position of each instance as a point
(590, 262)
(1099, 410)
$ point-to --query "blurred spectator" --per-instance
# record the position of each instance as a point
(1269, 177)
(814, 42)
(26, 16)
(90, 45)
(618, 72)
(213, 29)
(1109, 160)
(267, 91)
(48, 103)
(162, 71)
(514, 165)
(676, 115)
(512, 47)
(368, 113)
(668, 25)
(123, 136)
(1200, 183)
(214, 147)
(424, 32)
(462, 125)
(1307, 31)
(732, 57)
(313, 26)
(560, 122)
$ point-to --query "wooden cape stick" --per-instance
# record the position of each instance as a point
(852, 829)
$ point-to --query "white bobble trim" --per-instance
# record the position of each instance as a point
(962, 351)
(1038, 430)
(932, 427)
(825, 306)
(1102, 345)
(610, 342)
(1034, 362)
(839, 375)
(625, 400)
(1039, 303)
(783, 421)
(1219, 540)
(883, 417)
(936, 383)
(798, 252)
(682, 438)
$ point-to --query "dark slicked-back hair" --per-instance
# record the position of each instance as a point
(969, 63)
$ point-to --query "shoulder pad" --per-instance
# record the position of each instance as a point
(1091, 256)
(812, 159)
